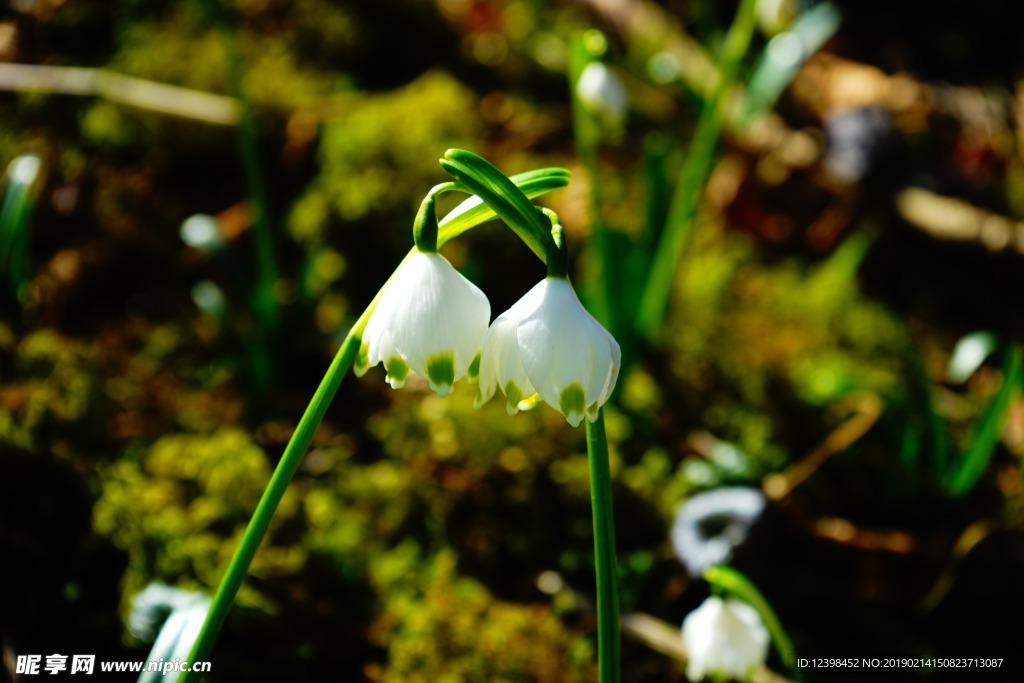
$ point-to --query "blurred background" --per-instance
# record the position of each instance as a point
(803, 221)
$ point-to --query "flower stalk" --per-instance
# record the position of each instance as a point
(424, 229)
(604, 551)
(506, 356)
(275, 490)
(558, 259)
(586, 98)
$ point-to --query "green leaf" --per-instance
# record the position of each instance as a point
(786, 53)
(986, 431)
(502, 195)
(23, 174)
(474, 211)
(678, 232)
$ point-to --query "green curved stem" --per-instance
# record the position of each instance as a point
(425, 228)
(275, 490)
(558, 260)
(604, 552)
(470, 213)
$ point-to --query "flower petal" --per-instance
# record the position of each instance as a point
(501, 365)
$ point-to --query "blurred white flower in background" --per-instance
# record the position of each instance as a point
(601, 91)
(724, 638)
(709, 526)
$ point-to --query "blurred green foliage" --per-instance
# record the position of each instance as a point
(390, 524)
(450, 629)
(748, 330)
(51, 397)
(178, 511)
(378, 139)
(187, 39)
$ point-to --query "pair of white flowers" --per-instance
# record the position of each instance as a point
(433, 322)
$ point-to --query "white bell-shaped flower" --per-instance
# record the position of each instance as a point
(603, 93)
(549, 344)
(431, 321)
(724, 638)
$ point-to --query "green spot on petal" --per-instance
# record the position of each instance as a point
(572, 403)
(398, 370)
(441, 372)
(474, 370)
(362, 359)
(514, 395)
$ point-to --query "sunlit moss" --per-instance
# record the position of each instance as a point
(190, 54)
(109, 127)
(193, 53)
(378, 139)
(325, 268)
(54, 390)
(188, 498)
(451, 628)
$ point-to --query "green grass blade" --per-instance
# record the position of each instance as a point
(986, 431)
(678, 231)
(263, 299)
(507, 200)
(474, 211)
(922, 402)
(786, 53)
(23, 175)
(586, 132)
